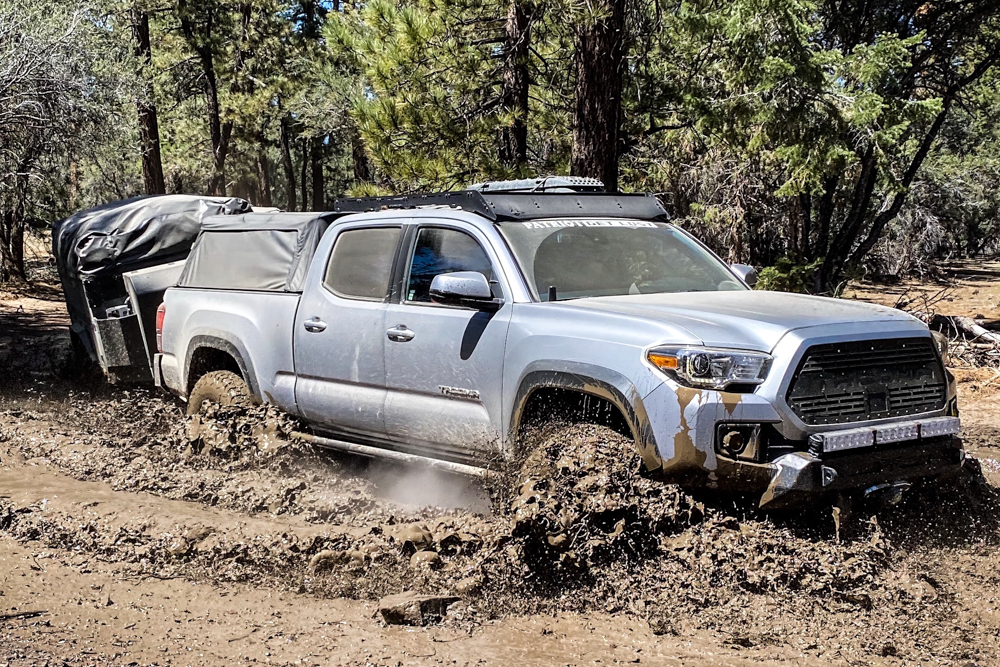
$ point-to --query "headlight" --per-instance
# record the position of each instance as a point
(711, 368)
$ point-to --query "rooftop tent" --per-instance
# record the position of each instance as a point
(95, 248)
(268, 252)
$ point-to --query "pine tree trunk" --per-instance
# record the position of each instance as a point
(599, 66)
(219, 132)
(263, 174)
(287, 165)
(362, 169)
(149, 129)
(318, 190)
(305, 173)
(514, 138)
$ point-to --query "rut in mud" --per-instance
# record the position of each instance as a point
(572, 528)
(576, 529)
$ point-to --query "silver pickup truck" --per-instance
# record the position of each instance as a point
(438, 326)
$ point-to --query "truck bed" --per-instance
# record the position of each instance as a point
(260, 321)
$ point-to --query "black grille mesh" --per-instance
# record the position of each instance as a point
(862, 380)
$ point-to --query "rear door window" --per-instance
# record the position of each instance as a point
(361, 263)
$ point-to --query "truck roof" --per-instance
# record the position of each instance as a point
(272, 250)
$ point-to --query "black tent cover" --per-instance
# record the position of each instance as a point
(95, 247)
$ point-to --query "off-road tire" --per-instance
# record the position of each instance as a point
(224, 388)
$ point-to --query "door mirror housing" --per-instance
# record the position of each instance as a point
(747, 273)
(470, 289)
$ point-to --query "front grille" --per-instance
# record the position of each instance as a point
(863, 380)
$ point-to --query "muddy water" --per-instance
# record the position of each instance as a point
(144, 534)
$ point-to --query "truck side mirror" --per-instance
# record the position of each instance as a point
(464, 288)
(746, 272)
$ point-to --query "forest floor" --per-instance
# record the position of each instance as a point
(131, 534)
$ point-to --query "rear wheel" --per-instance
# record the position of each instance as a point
(224, 388)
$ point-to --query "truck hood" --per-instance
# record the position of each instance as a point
(748, 319)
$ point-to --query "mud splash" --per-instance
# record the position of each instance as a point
(577, 529)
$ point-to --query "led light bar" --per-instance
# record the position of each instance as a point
(897, 433)
(933, 428)
(855, 438)
(840, 440)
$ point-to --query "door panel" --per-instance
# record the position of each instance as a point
(339, 355)
(444, 383)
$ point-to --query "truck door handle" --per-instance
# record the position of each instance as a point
(400, 333)
(315, 325)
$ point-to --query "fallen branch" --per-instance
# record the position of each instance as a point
(23, 615)
(968, 326)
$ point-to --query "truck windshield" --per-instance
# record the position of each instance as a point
(583, 258)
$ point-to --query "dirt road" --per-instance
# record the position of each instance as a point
(130, 534)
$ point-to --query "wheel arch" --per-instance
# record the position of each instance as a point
(208, 352)
(595, 381)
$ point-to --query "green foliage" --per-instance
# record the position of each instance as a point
(788, 275)
(852, 137)
(429, 111)
(64, 76)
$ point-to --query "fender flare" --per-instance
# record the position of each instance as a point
(596, 381)
(235, 349)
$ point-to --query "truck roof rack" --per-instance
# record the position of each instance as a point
(544, 184)
(511, 206)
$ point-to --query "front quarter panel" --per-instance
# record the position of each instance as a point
(590, 351)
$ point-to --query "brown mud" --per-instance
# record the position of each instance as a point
(132, 534)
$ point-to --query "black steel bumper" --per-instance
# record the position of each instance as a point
(800, 477)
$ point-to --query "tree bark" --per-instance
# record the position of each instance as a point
(843, 240)
(599, 66)
(805, 227)
(305, 173)
(12, 226)
(219, 131)
(263, 173)
(362, 168)
(286, 163)
(826, 207)
(318, 189)
(149, 128)
(514, 138)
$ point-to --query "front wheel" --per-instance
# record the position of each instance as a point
(223, 388)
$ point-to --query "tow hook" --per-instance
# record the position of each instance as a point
(886, 494)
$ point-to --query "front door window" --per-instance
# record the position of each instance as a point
(438, 251)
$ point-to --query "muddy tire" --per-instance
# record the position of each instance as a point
(224, 388)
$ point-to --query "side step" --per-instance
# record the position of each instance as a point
(392, 455)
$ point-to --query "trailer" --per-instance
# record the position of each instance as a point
(115, 262)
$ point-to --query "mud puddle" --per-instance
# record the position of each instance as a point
(115, 487)
(578, 532)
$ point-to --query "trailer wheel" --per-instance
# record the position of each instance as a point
(224, 388)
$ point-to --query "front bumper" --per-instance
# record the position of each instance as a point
(684, 422)
(802, 476)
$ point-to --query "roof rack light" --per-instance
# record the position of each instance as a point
(546, 184)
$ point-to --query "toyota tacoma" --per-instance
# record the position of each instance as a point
(438, 326)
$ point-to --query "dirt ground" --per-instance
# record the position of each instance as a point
(130, 534)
